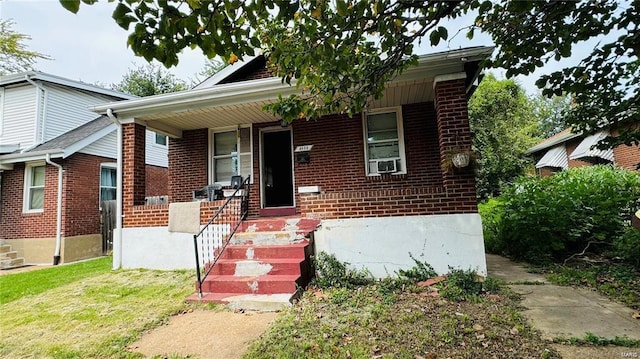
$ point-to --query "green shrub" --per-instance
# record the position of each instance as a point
(491, 213)
(331, 273)
(627, 246)
(545, 219)
(466, 285)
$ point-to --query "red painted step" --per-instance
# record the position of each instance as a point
(294, 250)
(294, 224)
(266, 284)
(278, 266)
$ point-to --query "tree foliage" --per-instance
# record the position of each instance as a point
(14, 55)
(552, 113)
(505, 126)
(149, 80)
(210, 68)
(342, 52)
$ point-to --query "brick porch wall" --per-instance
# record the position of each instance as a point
(188, 164)
(158, 215)
(157, 181)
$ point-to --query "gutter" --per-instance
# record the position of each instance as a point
(56, 254)
(117, 232)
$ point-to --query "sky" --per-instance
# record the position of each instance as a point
(89, 46)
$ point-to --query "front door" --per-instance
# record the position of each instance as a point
(277, 170)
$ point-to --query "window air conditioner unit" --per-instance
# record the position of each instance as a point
(386, 166)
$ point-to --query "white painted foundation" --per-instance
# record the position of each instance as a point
(157, 248)
(382, 245)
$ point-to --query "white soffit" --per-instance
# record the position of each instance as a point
(555, 157)
(584, 149)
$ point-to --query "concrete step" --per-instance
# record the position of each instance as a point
(11, 263)
(5, 248)
(271, 266)
(266, 284)
(9, 255)
(255, 302)
(260, 252)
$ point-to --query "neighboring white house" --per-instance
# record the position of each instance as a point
(47, 131)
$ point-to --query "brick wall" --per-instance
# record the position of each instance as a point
(454, 132)
(188, 164)
(81, 192)
(571, 146)
(158, 215)
(627, 157)
(340, 170)
(254, 71)
(133, 165)
(13, 223)
(157, 181)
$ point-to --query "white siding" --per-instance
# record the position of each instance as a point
(104, 147)
(156, 155)
(68, 108)
(19, 116)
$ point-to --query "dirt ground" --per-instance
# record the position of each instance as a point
(205, 334)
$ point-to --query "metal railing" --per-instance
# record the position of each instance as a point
(211, 241)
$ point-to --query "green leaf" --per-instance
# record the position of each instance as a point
(71, 5)
(342, 8)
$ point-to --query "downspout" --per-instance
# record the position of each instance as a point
(117, 232)
(56, 254)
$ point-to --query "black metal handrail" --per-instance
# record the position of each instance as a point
(211, 241)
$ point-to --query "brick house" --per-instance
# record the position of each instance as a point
(57, 163)
(372, 181)
(568, 150)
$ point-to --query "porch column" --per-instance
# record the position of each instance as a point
(133, 165)
(454, 131)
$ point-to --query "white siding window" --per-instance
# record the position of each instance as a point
(384, 142)
(34, 188)
(231, 154)
(108, 179)
(161, 140)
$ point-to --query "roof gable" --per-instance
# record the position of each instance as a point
(23, 77)
(252, 68)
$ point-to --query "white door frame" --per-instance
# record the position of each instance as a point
(262, 177)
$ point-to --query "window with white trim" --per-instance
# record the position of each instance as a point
(384, 142)
(108, 180)
(231, 152)
(34, 175)
(161, 140)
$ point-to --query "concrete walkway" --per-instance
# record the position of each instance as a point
(564, 311)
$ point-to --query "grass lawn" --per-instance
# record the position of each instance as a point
(19, 285)
(368, 323)
(85, 310)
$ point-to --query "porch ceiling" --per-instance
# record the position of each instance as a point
(221, 115)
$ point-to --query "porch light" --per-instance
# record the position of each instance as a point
(460, 160)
